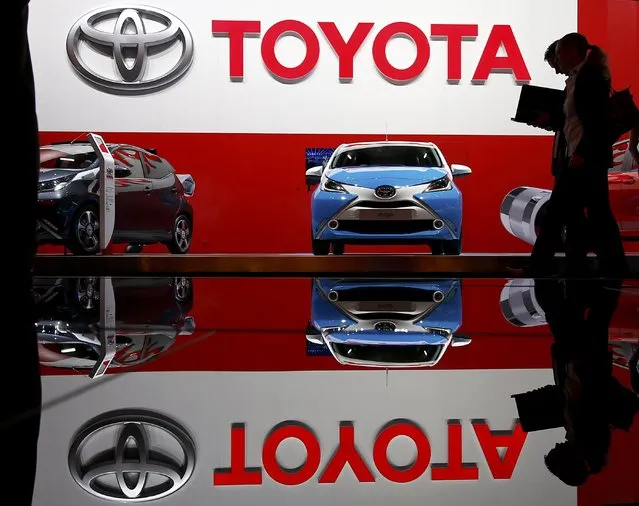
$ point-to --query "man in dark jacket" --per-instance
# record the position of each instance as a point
(568, 236)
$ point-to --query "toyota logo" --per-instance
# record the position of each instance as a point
(385, 192)
(385, 326)
(142, 462)
(129, 36)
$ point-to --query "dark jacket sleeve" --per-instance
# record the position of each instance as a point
(592, 91)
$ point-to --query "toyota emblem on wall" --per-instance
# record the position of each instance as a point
(130, 49)
(132, 456)
(385, 192)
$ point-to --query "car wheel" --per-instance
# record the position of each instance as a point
(320, 248)
(437, 248)
(85, 231)
(182, 290)
(451, 247)
(87, 294)
(338, 248)
(181, 235)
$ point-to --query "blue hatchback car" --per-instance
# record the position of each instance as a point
(391, 323)
(386, 192)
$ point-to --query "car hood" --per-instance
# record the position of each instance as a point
(372, 177)
(49, 174)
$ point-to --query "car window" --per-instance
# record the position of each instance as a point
(129, 158)
(388, 156)
(54, 159)
(154, 166)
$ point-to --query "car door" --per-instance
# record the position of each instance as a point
(132, 194)
(630, 198)
(165, 198)
(623, 181)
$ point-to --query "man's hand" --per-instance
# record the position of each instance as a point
(541, 121)
(576, 162)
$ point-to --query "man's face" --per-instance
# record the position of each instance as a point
(552, 61)
(553, 64)
(566, 58)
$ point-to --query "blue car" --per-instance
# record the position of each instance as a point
(389, 324)
(386, 193)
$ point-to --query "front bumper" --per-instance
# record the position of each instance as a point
(411, 215)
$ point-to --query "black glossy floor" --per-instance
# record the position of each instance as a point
(184, 391)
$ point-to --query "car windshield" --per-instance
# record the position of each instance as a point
(388, 156)
(51, 158)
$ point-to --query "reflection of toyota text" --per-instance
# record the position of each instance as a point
(131, 456)
(523, 209)
(395, 323)
(151, 200)
(150, 314)
(133, 38)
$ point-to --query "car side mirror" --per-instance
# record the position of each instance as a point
(460, 341)
(122, 171)
(313, 176)
(460, 170)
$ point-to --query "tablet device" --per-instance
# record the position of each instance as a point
(536, 99)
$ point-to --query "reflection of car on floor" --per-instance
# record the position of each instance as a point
(150, 313)
(523, 209)
(386, 193)
(395, 323)
(150, 198)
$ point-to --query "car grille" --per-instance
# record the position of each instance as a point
(371, 204)
(385, 227)
(385, 353)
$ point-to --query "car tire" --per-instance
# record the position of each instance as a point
(85, 231)
(134, 248)
(86, 295)
(183, 290)
(338, 248)
(451, 247)
(181, 235)
(320, 248)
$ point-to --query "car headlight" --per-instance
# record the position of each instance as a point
(331, 186)
(54, 185)
(441, 184)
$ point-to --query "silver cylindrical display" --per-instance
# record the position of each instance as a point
(520, 211)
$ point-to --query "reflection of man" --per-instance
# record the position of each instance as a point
(586, 399)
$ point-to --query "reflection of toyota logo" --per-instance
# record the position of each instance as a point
(385, 326)
(129, 37)
(385, 192)
(152, 456)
